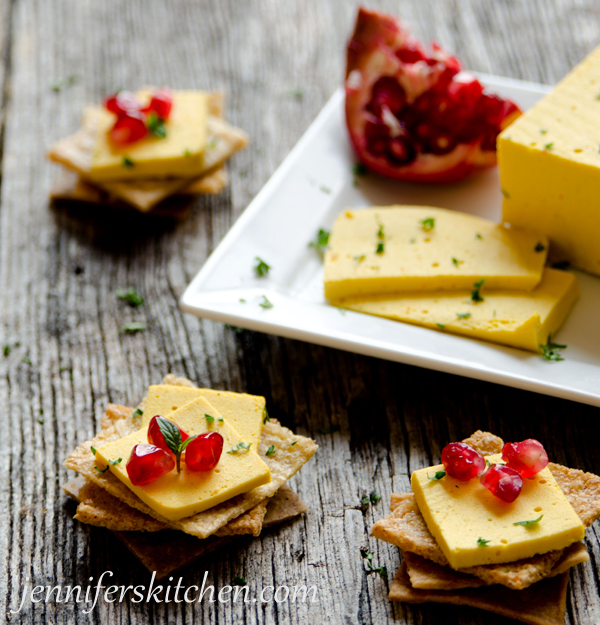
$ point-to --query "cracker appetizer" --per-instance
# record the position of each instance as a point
(139, 150)
(209, 464)
(496, 527)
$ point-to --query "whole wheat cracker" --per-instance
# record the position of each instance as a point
(283, 466)
(406, 527)
(543, 603)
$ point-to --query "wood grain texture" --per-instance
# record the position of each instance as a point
(59, 268)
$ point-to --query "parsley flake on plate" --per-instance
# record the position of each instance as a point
(260, 267)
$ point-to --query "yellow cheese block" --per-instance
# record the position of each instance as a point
(245, 412)
(458, 514)
(550, 167)
(521, 319)
(420, 248)
(179, 154)
(178, 495)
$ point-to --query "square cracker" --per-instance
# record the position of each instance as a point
(284, 463)
(427, 575)
(406, 528)
(543, 603)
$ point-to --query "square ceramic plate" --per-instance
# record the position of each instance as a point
(315, 183)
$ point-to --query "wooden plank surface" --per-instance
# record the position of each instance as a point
(278, 63)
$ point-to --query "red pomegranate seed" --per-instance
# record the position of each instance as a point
(410, 54)
(462, 462)
(122, 103)
(401, 151)
(155, 436)
(386, 92)
(527, 457)
(128, 129)
(503, 482)
(161, 103)
(203, 452)
(147, 463)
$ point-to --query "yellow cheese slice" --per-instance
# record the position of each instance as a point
(245, 412)
(178, 495)
(458, 514)
(522, 319)
(180, 154)
(550, 167)
(420, 248)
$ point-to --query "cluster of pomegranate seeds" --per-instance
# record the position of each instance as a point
(414, 114)
(527, 457)
(134, 121)
(147, 463)
(523, 460)
(462, 462)
(167, 444)
(503, 482)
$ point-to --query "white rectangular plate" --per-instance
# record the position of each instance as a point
(315, 183)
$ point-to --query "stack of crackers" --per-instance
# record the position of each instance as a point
(105, 501)
(145, 195)
(532, 590)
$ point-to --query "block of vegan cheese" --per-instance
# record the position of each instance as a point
(461, 515)
(179, 154)
(550, 167)
(245, 412)
(420, 248)
(521, 319)
(178, 495)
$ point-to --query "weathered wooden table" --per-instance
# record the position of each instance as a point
(278, 63)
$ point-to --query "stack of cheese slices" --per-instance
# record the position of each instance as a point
(463, 546)
(245, 492)
(186, 160)
(449, 271)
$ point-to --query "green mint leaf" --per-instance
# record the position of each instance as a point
(528, 523)
(438, 475)
(539, 247)
(375, 498)
(331, 430)
(156, 126)
(476, 292)
(463, 315)
(260, 267)
(186, 442)
(380, 249)
(127, 162)
(131, 296)
(132, 327)
(208, 418)
(172, 435)
(271, 450)
(265, 303)
(481, 542)
(321, 242)
(428, 224)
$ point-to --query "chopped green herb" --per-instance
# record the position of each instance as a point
(364, 501)
(441, 326)
(221, 420)
(93, 450)
(296, 94)
(380, 248)
(482, 542)
(209, 418)
(321, 241)
(507, 570)
(133, 327)
(6, 350)
(550, 350)
(270, 451)
(64, 368)
(325, 189)
(131, 296)
(478, 236)
(238, 581)
(114, 463)
(63, 83)
(186, 152)
(543, 131)
(380, 232)
(359, 257)
(487, 463)
(539, 247)
(101, 470)
(260, 267)
(127, 162)
(428, 224)
(476, 292)
(156, 126)
(331, 430)
(293, 443)
(26, 360)
(137, 413)
(341, 310)
(358, 169)
(266, 416)
(242, 300)
(40, 420)
(456, 262)
(505, 193)
(528, 523)
(463, 315)
(412, 241)
(265, 303)
(239, 447)
(368, 556)
(375, 498)
(438, 475)
(549, 146)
